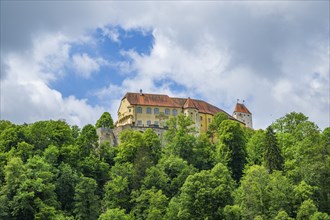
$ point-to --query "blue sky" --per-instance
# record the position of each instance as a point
(109, 48)
(273, 54)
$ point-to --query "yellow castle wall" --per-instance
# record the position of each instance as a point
(128, 114)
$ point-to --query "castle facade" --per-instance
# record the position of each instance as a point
(152, 110)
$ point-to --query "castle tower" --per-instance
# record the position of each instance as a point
(190, 110)
(243, 114)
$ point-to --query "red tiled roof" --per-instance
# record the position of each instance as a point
(166, 101)
(189, 104)
(241, 108)
(205, 107)
(151, 100)
(179, 101)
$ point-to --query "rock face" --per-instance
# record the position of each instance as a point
(112, 135)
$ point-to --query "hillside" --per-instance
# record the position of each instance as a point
(50, 170)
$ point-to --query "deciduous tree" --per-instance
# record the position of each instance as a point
(86, 202)
(231, 148)
(105, 121)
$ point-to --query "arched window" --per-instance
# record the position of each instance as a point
(174, 112)
(156, 111)
(139, 110)
(148, 110)
(167, 111)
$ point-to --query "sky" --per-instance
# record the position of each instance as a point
(74, 60)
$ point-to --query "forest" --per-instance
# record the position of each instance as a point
(53, 170)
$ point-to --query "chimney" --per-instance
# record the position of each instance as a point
(141, 92)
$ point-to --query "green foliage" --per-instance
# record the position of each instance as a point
(115, 214)
(180, 137)
(306, 210)
(86, 202)
(94, 168)
(264, 194)
(87, 140)
(51, 155)
(215, 125)
(320, 216)
(231, 148)
(272, 156)
(118, 189)
(130, 141)
(182, 142)
(11, 136)
(255, 148)
(282, 215)
(24, 150)
(204, 195)
(105, 121)
(289, 122)
(149, 204)
(65, 186)
(44, 133)
(232, 212)
(4, 125)
(251, 195)
(50, 170)
(142, 150)
(280, 194)
(169, 175)
(30, 191)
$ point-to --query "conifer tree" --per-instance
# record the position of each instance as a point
(272, 157)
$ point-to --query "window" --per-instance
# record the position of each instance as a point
(167, 111)
(139, 110)
(156, 123)
(129, 110)
(174, 112)
(139, 122)
(148, 110)
(148, 122)
(201, 118)
(156, 111)
(209, 120)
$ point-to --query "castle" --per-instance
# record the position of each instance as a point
(139, 111)
(152, 110)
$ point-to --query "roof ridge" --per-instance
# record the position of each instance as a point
(240, 107)
(189, 103)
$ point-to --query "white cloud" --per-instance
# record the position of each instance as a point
(26, 96)
(85, 66)
(111, 33)
(272, 54)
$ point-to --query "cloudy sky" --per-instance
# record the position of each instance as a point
(74, 60)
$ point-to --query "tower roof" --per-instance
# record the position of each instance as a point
(241, 108)
(189, 103)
